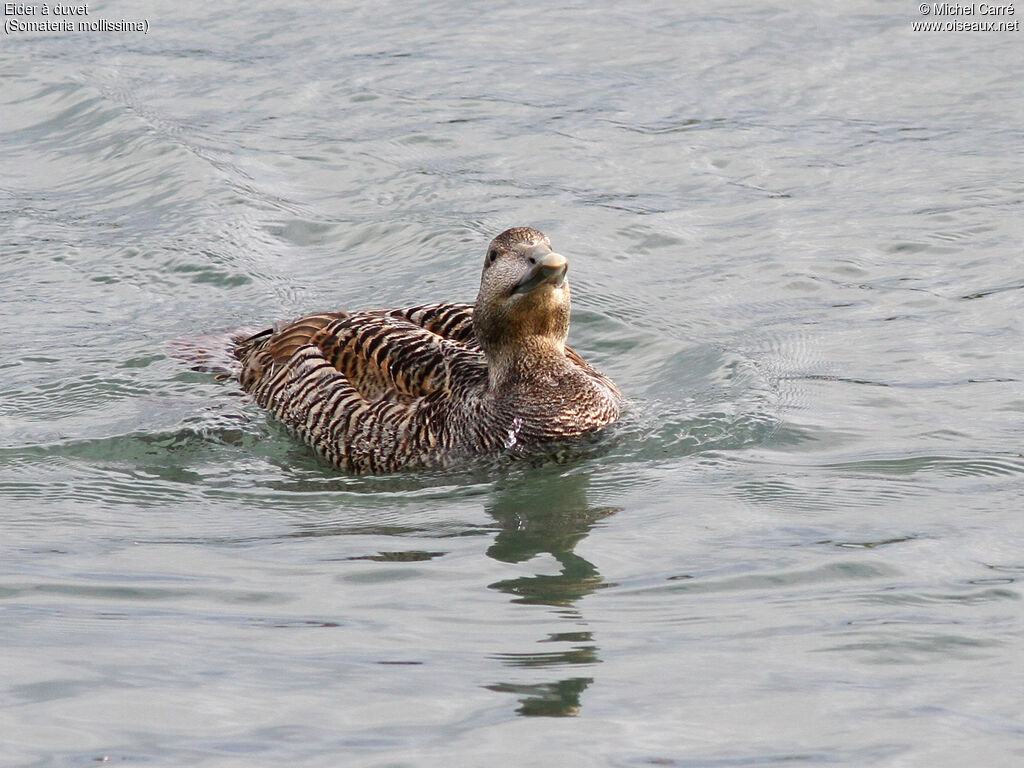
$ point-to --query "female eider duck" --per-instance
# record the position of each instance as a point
(430, 386)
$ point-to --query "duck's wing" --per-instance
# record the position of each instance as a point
(389, 355)
(450, 321)
(363, 389)
(407, 353)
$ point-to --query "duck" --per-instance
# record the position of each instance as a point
(432, 386)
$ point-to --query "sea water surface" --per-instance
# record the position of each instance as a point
(795, 234)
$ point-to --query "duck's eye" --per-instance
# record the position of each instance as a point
(533, 260)
(491, 257)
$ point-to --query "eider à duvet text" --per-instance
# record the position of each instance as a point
(430, 386)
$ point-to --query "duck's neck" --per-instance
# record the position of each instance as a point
(529, 361)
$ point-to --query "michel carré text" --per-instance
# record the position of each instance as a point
(971, 9)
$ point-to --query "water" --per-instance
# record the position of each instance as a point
(795, 243)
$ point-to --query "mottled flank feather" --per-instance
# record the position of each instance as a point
(429, 386)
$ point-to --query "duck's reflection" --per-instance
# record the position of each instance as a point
(548, 514)
(558, 699)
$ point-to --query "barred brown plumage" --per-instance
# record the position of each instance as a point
(432, 385)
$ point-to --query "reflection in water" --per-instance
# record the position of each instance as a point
(549, 516)
(558, 699)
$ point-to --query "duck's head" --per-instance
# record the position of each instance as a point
(523, 305)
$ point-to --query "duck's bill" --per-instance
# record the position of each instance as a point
(550, 268)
